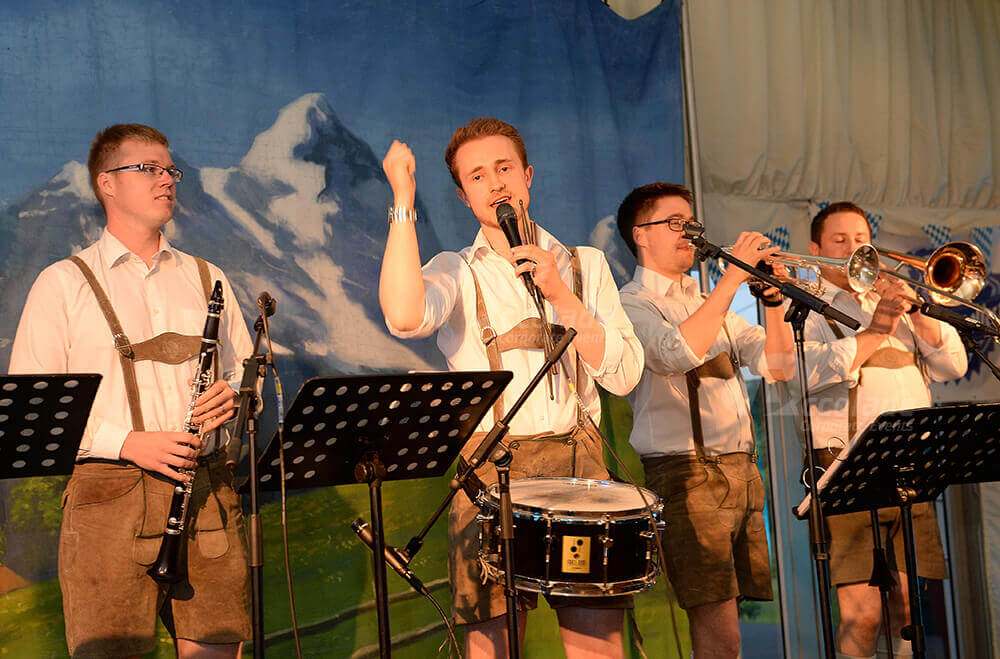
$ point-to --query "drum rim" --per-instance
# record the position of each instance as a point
(655, 503)
(578, 588)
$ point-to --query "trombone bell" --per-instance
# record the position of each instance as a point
(958, 269)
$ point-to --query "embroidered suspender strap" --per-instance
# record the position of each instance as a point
(122, 344)
(488, 336)
(206, 287)
(495, 344)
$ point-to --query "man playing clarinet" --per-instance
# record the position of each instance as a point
(132, 307)
(485, 319)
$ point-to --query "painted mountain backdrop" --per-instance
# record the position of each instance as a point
(302, 216)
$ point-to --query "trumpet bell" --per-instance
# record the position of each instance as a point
(862, 268)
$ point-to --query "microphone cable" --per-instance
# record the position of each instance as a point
(279, 395)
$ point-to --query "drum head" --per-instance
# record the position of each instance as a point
(576, 497)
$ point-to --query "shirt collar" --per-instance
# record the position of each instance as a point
(663, 286)
(833, 293)
(548, 242)
(114, 252)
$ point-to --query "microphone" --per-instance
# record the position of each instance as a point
(957, 320)
(507, 219)
(266, 304)
(393, 556)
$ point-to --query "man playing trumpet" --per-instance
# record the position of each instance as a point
(852, 378)
(692, 422)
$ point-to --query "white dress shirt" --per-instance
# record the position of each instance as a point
(661, 423)
(63, 330)
(829, 374)
(450, 308)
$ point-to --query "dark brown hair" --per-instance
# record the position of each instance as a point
(816, 228)
(640, 201)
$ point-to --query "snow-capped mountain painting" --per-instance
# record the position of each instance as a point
(301, 215)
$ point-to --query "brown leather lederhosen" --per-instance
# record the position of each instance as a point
(881, 358)
(527, 334)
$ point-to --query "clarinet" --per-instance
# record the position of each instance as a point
(168, 569)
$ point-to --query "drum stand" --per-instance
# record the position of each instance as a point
(802, 303)
(909, 457)
(376, 428)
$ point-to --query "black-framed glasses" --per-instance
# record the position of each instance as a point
(677, 223)
(148, 168)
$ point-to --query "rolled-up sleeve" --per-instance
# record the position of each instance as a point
(947, 361)
(665, 350)
(622, 364)
(828, 359)
(442, 276)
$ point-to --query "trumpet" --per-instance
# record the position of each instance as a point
(861, 268)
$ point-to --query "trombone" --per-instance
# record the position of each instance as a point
(954, 274)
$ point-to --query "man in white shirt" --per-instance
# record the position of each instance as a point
(854, 377)
(485, 319)
(692, 422)
(132, 308)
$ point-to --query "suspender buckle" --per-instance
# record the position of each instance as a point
(488, 335)
(123, 345)
(710, 459)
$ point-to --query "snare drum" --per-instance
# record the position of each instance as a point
(573, 536)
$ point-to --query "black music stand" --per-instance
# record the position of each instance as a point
(375, 428)
(42, 419)
(909, 457)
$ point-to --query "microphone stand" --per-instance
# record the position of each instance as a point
(970, 344)
(492, 448)
(802, 302)
(254, 368)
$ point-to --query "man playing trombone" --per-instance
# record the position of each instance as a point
(852, 378)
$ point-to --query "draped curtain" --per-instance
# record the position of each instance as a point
(891, 104)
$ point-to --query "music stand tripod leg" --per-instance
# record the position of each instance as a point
(881, 577)
(372, 471)
(914, 632)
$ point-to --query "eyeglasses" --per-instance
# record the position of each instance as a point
(151, 170)
(677, 223)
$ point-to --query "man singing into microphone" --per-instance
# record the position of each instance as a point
(482, 312)
(854, 377)
(132, 308)
(692, 422)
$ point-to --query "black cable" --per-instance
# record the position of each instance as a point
(447, 623)
(284, 495)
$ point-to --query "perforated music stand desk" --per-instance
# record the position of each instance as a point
(909, 457)
(42, 419)
(375, 428)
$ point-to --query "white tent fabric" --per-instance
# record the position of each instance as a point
(894, 105)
